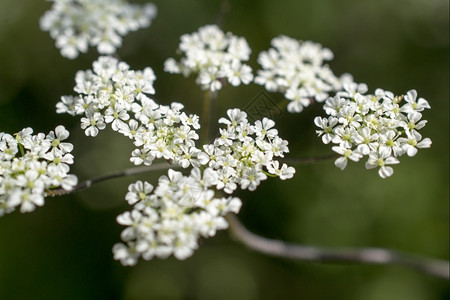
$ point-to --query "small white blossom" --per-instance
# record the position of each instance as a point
(92, 123)
(139, 191)
(413, 142)
(382, 159)
(284, 172)
(413, 104)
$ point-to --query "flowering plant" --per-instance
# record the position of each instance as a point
(199, 194)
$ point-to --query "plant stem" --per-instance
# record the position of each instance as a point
(123, 173)
(312, 159)
(206, 115)
(377, 256)
(162, 166)
(224, 9)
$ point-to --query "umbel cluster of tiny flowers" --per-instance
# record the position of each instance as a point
(242, 150)
(297, 70)
(216, 57)
(183, 208)
(381, 126)
(76, 24)
(171, 220)
(113, 94)
(31, 165)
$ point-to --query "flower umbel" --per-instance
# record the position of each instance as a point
(296, 69)
(113, 94)
(171, 220)
(216, 57)
(76, 24)
(378, 126)
(31, 165)
(243, 153)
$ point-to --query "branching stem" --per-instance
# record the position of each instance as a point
(123, 173)
(162, 166)
(378, 256)
(205, 117)
(224, 9)
(312, 159)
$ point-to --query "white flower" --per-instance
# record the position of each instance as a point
(351, 89)
(297, 70)
(327, 128)
(138, 191)
(214, 56)
(238, 73)
(265, 128)
(57, 137)
(142, 156)
(113, 94)
(381, 159)
(333, 105)
(59, 177)
(279, 146)
(131, 129)
(208, 224)
(284, 173)
(127, 254)
(117, 115)
(172, 218)
(208, 179)
(413, 122)
(251, 178)
(76, 23)
(388, 142)
(226, 179)
(413, 141)
(372, 125)
(31, 165)
(210, 155)
(188, 157)
(347, 154)
(413, 104)
(92, 123)
(241, 151)
(236, 117)
(26, 199)
(70, 44)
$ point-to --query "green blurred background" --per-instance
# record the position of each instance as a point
(63, 250)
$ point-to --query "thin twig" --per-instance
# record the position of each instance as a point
(127, 172)
(312, 159)
(206, 116)
(380, 256)
(162, 166)
(224, 9)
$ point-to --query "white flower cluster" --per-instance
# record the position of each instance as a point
(241, 151)
(167, 133)
(114, 94)
(76, 24)
(379, 126)
(215, 56)
(297, 70)
(171, 220)
(30, 165)
(182, 208)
